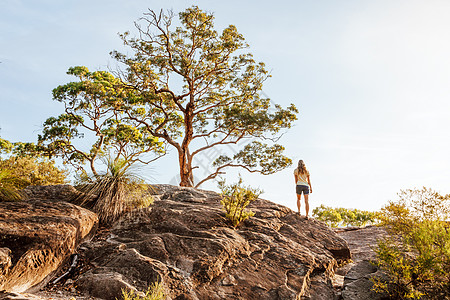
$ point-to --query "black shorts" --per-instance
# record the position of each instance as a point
(302, 188)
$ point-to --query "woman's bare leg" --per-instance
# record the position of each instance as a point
(298, 202)
(306, 205)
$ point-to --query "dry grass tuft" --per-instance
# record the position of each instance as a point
(115, 192)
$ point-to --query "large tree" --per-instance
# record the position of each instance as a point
(198, 89)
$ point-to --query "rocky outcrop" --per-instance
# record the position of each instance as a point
(36, 236)
(185, 242)
(356, 275)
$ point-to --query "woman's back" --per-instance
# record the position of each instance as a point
(302, 176)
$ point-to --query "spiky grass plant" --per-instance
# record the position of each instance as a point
(8, 187)
(114, 192)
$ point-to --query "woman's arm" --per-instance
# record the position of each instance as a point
(310, 187)
(295, 175)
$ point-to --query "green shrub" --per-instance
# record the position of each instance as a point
(336, 217)
(114, 192)
(235, 199)
(154, 292)
(417, 256)
(8, 187)
(5, 146)
(19, 172)
(33, 171)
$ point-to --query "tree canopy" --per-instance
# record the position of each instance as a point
(90, 109)
(186, 86)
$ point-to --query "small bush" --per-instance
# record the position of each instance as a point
(33, 171)
(154, 292)
(235, 199)
(8, 187)
(336, 217)
(417, 256)
(115, 192)
(19, 172)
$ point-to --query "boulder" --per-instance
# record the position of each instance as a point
(59, 192)
(104, 285)
(36, 236)
(185, 242)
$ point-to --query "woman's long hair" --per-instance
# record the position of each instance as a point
(301, 167)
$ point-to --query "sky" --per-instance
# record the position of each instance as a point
(371, 80)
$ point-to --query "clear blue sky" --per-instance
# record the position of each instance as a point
(370, 78)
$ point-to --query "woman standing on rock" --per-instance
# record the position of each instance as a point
(303, 185)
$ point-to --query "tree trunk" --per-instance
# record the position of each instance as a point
(187, 178)
(91, 163)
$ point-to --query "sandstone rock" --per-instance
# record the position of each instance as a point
(60, 192)
(185, 242)
(105, 285)
(38, 235)
(5, 263)
(57, 295)
(361, 289)
(357, 284)
(16, 296)
(320, 289)
(362, 241)
(229, 280)
(359, 270)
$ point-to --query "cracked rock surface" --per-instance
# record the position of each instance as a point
(36, 236)
(356, 275)
(185, 242)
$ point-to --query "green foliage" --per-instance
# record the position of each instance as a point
(257, 154)
(235, 199)
(414, 206)
(5, 146)
(92, 111)
(32, 171)
(154, 292)
(8, 187)
(217, 101)
(417, 257)
(336, 217)
(21, 166)
(18, 172)
(20, 149)
(189, 87)
(114, 192)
